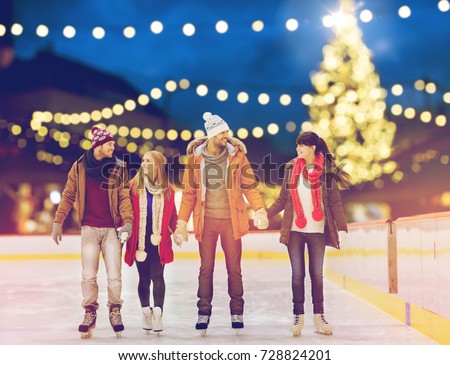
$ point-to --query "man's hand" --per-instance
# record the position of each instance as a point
(124, 232)
(180, 235)
(57, 232)
(261, 221)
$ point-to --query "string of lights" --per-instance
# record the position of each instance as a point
(136, 140)
(157, 27)
(126, 133)
(130, 105)
(391, 169)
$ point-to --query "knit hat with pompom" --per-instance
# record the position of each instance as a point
(100, 136)
(214, 124)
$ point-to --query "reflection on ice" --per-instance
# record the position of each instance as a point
(41, 305)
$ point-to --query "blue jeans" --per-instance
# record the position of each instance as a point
(316, 252)
(215, 227)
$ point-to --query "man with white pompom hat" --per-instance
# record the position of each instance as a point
(217, 176)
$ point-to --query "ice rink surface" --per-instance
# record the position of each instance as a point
(41, 305)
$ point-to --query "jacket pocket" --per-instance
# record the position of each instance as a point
(242, 216)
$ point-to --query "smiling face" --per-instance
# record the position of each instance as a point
(306, 152)
(221, 139)
(106, 150)
(148, 166)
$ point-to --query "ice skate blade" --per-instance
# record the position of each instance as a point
(147, 331)
(119, 334)
(203, 333)
(324, 333)
(85, 335)
(296, 334)
(238, 331)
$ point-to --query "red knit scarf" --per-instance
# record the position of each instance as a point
(314, 180)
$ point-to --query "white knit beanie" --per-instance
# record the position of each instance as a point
(214, 124)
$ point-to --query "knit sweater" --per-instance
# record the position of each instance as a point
(216, 202)
(97, 212)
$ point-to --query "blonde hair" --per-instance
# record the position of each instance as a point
(160, 175)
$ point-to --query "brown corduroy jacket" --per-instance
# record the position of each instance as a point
(74, 194)
(333, 210)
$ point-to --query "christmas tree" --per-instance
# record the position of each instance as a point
(348, 107)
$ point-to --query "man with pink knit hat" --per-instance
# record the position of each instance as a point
(216, 178)
(97, 186)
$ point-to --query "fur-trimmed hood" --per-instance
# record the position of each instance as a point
(233, 145)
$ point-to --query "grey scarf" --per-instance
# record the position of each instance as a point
(217, 159)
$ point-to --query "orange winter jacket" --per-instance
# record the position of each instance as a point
(118, 193)
(240, 181)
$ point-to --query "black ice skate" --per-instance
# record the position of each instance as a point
(202, 324)
(85, 329)
(115, 319)
(237, 322)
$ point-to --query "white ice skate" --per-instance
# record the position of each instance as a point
(297, 324)
(85, 329)
(147, 316)
(202, 324)
(322, 326)
(157, 320)
(237, 322)
(115, 319)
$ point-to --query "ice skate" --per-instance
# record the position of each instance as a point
(297, 324)
(322, 326)
(157, 320)
(85, 329)
(202, 324)
(147, 316)
(237, 322)
(115, 319)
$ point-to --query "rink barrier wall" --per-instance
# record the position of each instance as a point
(42, 247)
(401, 267)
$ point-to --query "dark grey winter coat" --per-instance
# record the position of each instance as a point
(334, 212)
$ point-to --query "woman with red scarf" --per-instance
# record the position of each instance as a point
(313, 217)
(150, 244)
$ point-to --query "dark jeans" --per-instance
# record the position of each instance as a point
(316, 252)
(150, 271)
(233, 251)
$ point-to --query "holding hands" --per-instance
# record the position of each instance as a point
(260, 220)
(124, 232)
(180, 235)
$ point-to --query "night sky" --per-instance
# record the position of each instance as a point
(274, 61)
